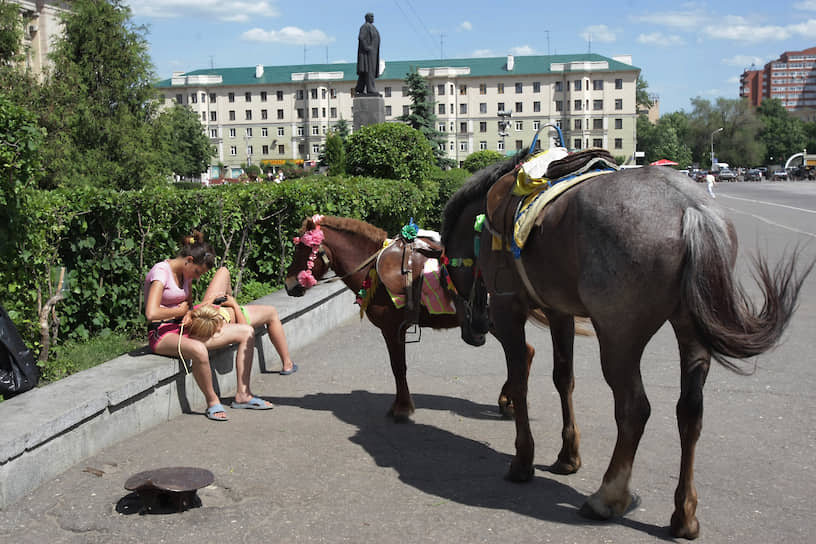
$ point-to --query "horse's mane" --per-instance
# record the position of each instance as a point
(476, 188)
(355, 226)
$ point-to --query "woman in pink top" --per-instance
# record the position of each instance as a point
(168, 305)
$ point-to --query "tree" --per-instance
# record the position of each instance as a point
(334, 157)
(389, 151)
(642, 98)
(11, 32)
(739, 141)
(342, 129)
(99, 103)
(481, 159)
(782, 133)
(186, 149)
(421, 116)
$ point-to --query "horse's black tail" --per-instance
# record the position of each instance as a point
(727, 320)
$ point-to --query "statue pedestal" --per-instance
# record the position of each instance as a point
(367, 110)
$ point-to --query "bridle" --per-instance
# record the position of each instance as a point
(465, 262)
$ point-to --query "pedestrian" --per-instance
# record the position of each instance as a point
(168, 309)
(229, 311)
(710, 182)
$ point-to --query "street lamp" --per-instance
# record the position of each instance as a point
(712, 145)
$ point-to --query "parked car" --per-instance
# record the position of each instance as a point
(753, 175)
(726, 174)
(780, 175)
(700, 176)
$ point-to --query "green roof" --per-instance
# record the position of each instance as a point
(479, 67)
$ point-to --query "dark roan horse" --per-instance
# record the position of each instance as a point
(349, 247)
(629, 250)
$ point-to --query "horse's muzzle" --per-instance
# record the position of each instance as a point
(296, 290)
(473, 339)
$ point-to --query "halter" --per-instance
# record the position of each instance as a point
(463, 262)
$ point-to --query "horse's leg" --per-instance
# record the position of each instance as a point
(694, 363)
(403, 406)
(509, 330)
(505, 405)
(562, 331)
(620, 360)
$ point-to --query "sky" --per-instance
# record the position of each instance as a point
(684, 50)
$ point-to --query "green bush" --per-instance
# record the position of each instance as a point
(389, 151)
(481, 159)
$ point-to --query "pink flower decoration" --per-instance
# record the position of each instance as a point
(312, 238)
(306, 279)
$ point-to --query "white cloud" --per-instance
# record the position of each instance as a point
(222, 10)
(599, 33)
(660, 39)
(744, 61)
(287, 35)
(689, 19)
(522, 50)
(807, 5)
(466, 26)
(482, 53)
(756, 33)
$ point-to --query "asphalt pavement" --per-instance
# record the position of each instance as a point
(327, 465)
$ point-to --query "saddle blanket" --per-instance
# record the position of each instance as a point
(434, 297)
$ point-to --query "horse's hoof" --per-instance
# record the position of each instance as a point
(400, 416)
(596, 510)
(506, 408)
(566, 467)
(688, 530)
(519, 474)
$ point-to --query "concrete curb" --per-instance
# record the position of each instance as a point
(51, 428)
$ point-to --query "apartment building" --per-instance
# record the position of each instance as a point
(270, 114)
(791, 78)
(41, 26)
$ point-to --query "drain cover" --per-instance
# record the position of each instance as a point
(169, 489)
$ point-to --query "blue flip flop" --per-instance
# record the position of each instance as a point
(212, 410)
(254, 404)
(290, 371)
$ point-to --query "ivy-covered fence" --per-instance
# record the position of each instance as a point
(108, 240)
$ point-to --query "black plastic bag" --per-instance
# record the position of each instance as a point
(18, 369)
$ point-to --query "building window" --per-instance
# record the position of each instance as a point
(232, 133)
(482, 126)
(619, 84)
(440, 89)
(519, 125)
(299, 131)
(300, 113)
(597, 84)
(249, 151)
(315, 148)
(463, 90)
(263, 96)
(597, 124)
(279, 95)
(500, 88)
(519, 88)
(233, 150)
(281, 131)
(265, 150)
(619, 103)
(451, 145)
(482, 145)
(264, 114)
(179, 99)
(483, 107)
(323, 93)
(500, 106)
(300, 94)
(248, 97)
(482, 88)
(597, 105)
(231, 97)
(332, 93)
(441, 127)
(212, 98)
(577, 105)
(519, 106)
(213, 133)
(248, 115)
(618, 143)
(280, 114)
(249, 132)
(559, 86)
(597, 142)
(463, 127)
(264, 132)
(536, 86)
(559, 105)
(333, 112)
(536, 107)
(315, 113)
(519, 144)
(576, 85)
(387, 92)
(406, 110)
(388, 111)
(203, 116)
(578, 124)
(463, 146)
(619, 124)
(500, 145)
(316, 130)
(576, 143)
(463, 109)
(313, 93)
(213, 116)
(281, 149)
(193, 98)
(441, 109)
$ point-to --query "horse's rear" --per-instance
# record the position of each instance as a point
(631, 250)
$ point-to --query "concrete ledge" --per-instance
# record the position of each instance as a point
(51, 428)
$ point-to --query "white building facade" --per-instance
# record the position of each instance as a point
(268, 115)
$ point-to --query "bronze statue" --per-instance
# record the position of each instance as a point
(368, 58)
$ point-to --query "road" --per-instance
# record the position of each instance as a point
(326, 465)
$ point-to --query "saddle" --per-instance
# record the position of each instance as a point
(400, 266)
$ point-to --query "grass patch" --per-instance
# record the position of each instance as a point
(71, 357)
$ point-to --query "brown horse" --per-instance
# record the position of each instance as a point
(350, 247)
(630, 250)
